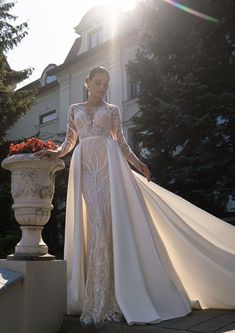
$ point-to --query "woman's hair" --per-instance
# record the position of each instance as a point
(97, 70)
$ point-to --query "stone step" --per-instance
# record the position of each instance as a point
(9, 278)
(199, 321)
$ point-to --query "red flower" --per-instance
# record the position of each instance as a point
(31, 145)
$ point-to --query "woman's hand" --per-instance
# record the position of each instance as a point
(51, 154)
(145, 171)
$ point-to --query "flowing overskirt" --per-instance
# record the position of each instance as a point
(168, 254)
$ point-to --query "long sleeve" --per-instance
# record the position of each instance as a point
(117, 134)
(71, 134)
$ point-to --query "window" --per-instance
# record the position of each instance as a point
(46, 117)
(95, 37)
(50, 78)
(230, 207)
(232, 57)
(134, 88)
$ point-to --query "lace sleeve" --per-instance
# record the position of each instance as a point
(117, 134)
(71, 134)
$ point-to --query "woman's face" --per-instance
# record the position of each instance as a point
(98, 85)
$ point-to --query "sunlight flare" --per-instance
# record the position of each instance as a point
(192, 11)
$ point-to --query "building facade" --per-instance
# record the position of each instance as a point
(105, 37)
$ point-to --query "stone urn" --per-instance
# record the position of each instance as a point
(32, 189)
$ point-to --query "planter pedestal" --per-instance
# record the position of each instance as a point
(32, 188)
(31, 241)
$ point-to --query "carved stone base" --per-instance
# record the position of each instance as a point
(22, 257)
(31, 242)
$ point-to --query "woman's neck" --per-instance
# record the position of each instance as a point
(94, 101)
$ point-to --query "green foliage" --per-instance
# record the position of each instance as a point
(10, 36)
(8, 243)
(9, 230)
(13, 104)
(186, 120)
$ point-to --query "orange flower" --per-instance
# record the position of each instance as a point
(31, 145)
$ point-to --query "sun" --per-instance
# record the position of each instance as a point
(113, 11)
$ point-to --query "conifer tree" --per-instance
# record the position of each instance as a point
(13, 104)
(185, 65)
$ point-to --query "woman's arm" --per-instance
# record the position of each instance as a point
(69, 141)
(117, 134)
(71, 134)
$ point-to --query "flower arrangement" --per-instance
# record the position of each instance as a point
(31, 145)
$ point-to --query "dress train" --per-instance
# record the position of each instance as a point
(167, 253)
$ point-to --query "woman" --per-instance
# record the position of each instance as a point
(132, 248)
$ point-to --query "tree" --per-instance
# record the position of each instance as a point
(9, 230)
(13, 104)
(186, 69)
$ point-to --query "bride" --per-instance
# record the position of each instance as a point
(134, 250)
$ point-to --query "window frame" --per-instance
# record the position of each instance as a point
(98, 38)
(46, 114)
(133, 88)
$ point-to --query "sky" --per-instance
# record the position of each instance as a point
(51, 31)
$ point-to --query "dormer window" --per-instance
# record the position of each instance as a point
(46, 77)
(95, 37)
(50, 78)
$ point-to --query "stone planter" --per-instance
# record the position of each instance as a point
(32, 188)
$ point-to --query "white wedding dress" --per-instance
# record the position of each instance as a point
(133, 249)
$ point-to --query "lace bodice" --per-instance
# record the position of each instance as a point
(104, 121)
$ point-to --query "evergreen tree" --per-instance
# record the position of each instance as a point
(13, 104)
(186, 69)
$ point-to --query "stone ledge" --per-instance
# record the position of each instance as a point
(8, 278)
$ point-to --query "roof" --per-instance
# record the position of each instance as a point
(31, 86)
(35, 85)
(73, 58)
(74, 50)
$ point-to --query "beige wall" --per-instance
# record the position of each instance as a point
(29, 125)
(37, 304)
(11, 309)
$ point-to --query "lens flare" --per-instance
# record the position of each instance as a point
(192, 11)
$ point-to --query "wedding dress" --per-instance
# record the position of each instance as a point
(133, 249)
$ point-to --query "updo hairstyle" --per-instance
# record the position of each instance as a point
(97, 70)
